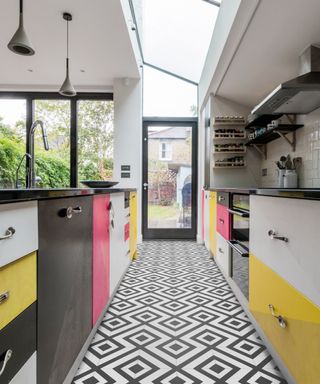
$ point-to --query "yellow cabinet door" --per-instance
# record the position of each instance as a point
(213, 222)
(133, 224)
(18, 287)
(298, 339)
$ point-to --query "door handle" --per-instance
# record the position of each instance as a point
(69, 212)
(273, 235)
(281, 320)
(7, 357)
(4, 297)
(9, 234)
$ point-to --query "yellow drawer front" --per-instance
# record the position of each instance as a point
(298, 343)
(133, 224)
(213, 222)
(19, 279)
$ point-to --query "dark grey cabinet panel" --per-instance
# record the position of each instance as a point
(64, 284)
(19, 336)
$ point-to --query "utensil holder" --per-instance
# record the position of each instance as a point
(281, 173)
(290, 179)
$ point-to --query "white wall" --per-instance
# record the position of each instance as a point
(128, 135)
(225, 19)
(307, 146)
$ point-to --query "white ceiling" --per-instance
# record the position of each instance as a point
(99, 44)
(269, 52)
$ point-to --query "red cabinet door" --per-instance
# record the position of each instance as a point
(223, 221)
(101, 255)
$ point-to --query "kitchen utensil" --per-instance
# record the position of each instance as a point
(297, 162)
(279, 165)
(99, 183)
(282, 161)
(288, 163)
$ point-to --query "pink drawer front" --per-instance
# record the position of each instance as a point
(223, 221)
(126, 231)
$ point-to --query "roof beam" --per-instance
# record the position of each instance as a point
(213, 2)
(170, 73)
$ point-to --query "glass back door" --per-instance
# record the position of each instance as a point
(169, 182)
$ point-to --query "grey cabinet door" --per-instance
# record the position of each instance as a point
(64, 284)
(19, 336)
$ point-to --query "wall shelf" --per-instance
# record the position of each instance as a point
(229, 152)
(231, 137)
(241, 125)
(228, 166)
(281, 131)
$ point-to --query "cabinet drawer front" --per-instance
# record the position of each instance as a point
(28, 373)
(299, 343)
(213, 222)
(223, 221)
(20, 337)
(297, 260)
(18, 282)
(101, 255)
(23, 218)
(207, 219)
(223, 198)
(223, 255)
(133, 224)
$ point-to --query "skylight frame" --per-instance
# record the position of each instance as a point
(215, 3)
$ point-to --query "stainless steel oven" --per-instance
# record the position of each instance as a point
(239, 243)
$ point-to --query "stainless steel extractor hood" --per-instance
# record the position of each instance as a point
(300, 95)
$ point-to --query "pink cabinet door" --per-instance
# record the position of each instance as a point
(223, 221)
(101, 256)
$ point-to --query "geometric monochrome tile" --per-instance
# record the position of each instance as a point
(175, 320)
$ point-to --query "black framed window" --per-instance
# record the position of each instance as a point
(74, 125)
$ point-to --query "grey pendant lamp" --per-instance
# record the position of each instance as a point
(20, 43)
(67, 88)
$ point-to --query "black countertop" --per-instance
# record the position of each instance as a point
(296, 193)
(15, 195)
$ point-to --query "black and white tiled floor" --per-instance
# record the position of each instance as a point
(175, 320)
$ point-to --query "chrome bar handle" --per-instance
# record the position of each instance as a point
(4, 297)
(221, 198)
(7, 357)
(273, 235)
(281, 320)
(221, 221)
(9, 234)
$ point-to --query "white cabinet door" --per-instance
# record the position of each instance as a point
(28, 373)
(21, 220)
(223, 255)
(119, 248)
(298, 260)
(207, 219)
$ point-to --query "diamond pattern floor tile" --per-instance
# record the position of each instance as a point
(175, 320)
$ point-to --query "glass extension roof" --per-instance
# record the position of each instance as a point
(175, 34)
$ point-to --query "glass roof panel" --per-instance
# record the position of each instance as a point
(165, 95)
(176, 34)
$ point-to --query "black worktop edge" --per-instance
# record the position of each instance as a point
(17, 195)
(296, 193)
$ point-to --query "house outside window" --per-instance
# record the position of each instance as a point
(165, 151)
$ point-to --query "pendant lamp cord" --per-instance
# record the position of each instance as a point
(67, 39)
(21, 6)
